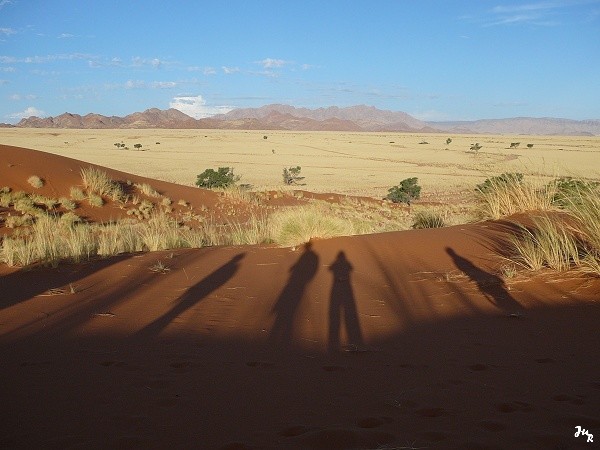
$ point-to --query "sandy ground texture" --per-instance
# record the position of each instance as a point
(348, 163)
(395, 340)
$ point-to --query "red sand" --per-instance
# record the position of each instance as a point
(396, 340)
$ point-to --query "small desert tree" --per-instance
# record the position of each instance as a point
(291, 175)
(514, 144)
(405, 192)
(137, 146)
(448, 141)
(475, 147)
(220, 178)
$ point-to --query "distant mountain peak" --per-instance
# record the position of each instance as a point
(331, 118)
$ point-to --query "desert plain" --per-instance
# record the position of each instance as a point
(404, 339)
(346, 163)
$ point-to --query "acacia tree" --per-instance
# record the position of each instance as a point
(291, 175)
(220, 178)
(405, 192)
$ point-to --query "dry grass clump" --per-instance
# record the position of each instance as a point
(147, 190)
(509, 194)
(95, 200)
(98, 182)
(428, 218)
(550, 242)
(35, 181)
(296, 226)
(565, 241)
(68, 204)
(76, 193)
(49, 242)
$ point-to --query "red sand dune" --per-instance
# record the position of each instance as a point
(396, 340)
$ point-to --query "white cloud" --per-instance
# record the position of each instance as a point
(7, 31)
(540, 13)
(204, 70)
(270, 63)
(66, 36)
(140, 84)
(3, 3)
(195, 106)
(17, 97)
(163, 84)
(139, 62)
(31, 111)
(7, 69)
(230, 70)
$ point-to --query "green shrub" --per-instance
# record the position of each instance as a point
(568, 190)
(221, 178)
(500, 181)
(405, 192)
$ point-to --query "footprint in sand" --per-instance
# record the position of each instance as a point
(334, 368)
(490, 425)
(578, 400)
(373, 422)
(293, 431)
(260, 364)
(511, 407)
(431, 412)
(544, 360)
(181, 366)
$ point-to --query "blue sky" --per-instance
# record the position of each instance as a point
(436, 60)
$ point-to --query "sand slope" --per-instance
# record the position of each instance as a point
(406, 339)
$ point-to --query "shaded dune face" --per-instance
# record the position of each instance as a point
(389, 340)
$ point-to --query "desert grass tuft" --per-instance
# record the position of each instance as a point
(299, 225)
(35, 181)
(508, 194)
(147, 190)
(428, 219)
(550, 242)
(98, 182)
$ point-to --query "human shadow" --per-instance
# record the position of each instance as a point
(194, 295)
(490, 285)
(287, 304)
(342, 303)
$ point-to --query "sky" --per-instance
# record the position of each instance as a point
(436, 60)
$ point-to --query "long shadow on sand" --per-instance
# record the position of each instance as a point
(287, 304)
(491, 286)
(343, 305)
(193, 296)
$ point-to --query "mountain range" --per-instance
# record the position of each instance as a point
(285, 117)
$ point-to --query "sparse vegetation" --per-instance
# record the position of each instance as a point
(514, 144)
(407, 191)
(448, 141)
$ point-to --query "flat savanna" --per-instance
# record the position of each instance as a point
(364, 164)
